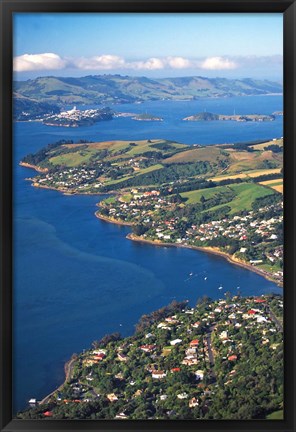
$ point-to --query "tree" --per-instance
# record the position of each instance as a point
(106, 339)
(139, 229)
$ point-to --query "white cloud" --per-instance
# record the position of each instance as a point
(152, 63)
(44, 61)
(51, 61)
(179, 62)
(155, 63)
(103, 62)
(218, 63)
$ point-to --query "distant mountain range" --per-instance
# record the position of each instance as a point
(109, 89)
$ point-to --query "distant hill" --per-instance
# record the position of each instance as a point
(25, 108)
(104, 89)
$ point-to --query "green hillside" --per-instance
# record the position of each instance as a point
(123, 89)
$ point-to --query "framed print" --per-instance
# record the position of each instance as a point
(148, 207)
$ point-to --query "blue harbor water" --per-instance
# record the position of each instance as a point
(77, 278)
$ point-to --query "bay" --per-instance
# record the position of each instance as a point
(77, 278)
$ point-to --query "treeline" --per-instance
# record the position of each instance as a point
(245, 145)
(197, 184)
(195, 217)
(40, 156)
(147, 320)
(274, 148)
(190, 185)
(167, 174)
(268, 200)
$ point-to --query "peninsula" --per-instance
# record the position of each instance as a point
(223, 199)
(182, 363)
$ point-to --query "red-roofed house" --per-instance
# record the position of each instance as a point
(48, 414)
(176, 369)
(232, 358)
(99, 356)
(194, 343)
(251, 312)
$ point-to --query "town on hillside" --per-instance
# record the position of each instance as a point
(222, 359)
(223, 198)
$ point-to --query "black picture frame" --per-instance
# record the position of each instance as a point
(8, 7)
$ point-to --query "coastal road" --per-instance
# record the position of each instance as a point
(277, 323)
(69, 366)
(210, 351)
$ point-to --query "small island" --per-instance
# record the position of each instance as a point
(207, 116)
(146, 117)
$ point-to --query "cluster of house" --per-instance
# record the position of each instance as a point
(218, 320)
(238, 227)
(141, 206)
(70, 178)
(250, 317)
(73, 115)
(242, 228)
(94, 357)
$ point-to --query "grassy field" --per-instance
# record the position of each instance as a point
(246, 193)
(209, 153)
(149, 169)
(146, 146)
(245, 161)
(126, 198)
(139, 148)
(273, 182)
(194, 196)
(264, 172)
(73, 159)
(110, 200)
(276, 184)
(278, 142)
(276, 415)
(279, 188)
(246, 174)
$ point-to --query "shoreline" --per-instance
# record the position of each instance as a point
(208, 249)
(110, 220)
(67, 369)
(34, 167)
(63, 191)
(131, 236)
(211, 250)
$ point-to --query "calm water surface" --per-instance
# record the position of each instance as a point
(77, 278)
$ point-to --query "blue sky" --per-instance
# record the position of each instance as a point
(154, 45)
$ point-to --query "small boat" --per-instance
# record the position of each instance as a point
(220, 287)
(191, 274)
(206, 278)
